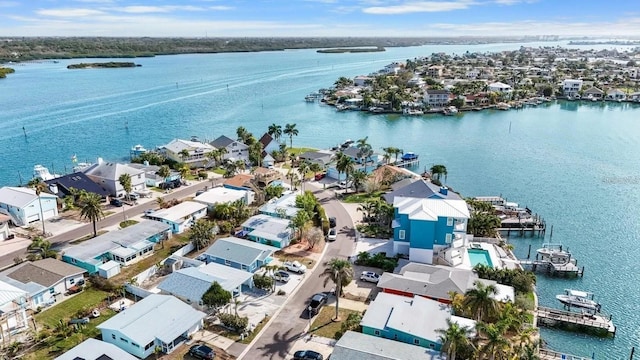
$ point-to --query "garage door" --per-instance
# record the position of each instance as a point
(49, 214)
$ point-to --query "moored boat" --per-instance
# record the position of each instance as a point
(579, 299)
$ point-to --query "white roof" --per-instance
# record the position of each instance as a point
(286, 202)
(220, 195)
(268, 227)
(20, 196)
(92, 349)
(177, 145)
(431, 209)
(9, 293)
(357, 346)
(192, 282)
(157, 316)
(178, 212)
(109, 265)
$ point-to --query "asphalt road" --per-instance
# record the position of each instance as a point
(290, 324)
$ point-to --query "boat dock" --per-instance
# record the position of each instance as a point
(552, 269)
(586, 322)
(548, 354)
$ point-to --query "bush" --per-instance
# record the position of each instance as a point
(281, 292)
(203, 174)
(263, 282)
(101, 283)
(236, 323)
(225, 227)
(522, 281)
(379, 260)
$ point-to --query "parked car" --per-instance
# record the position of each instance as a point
(320, 176)
(369, 276)
(332, 222)
(307, 355)
(134, 196)
(345, 185)
(75, 289)
(317, 302)
(202, 352)
(333, 235)
(116, 202)
(281, 276)
(295, 267)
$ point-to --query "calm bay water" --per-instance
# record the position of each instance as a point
(576, 165)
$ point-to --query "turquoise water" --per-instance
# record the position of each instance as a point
(479, 257)
(574, 164)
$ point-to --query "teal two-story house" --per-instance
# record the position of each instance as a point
(422, 227)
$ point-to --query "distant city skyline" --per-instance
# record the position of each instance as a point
(319, 18)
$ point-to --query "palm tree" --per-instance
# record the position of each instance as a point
(125, 182)
(299, 221)
(346, 165)
(184, 153)
(303, 169)
(315, 168)
(480, 301)
(358, 178)
(184, 171)
(275, 131)
(340, 272)
(243, 134)
(255, 153)
(201, 233)
(92, 210)
(454, 338)
(291, 131)
(164, 172)
(494, 344)
(39, 187)
(438, 170)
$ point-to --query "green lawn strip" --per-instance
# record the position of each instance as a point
(299, 150)
(88, 299)
(362, 197)
(126, 223)
(323, 325)
(219, 171)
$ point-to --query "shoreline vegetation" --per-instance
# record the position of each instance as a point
(351, 50)
(4, 71)
(105, 65)
(18, 49)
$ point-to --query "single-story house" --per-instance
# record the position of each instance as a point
(268, 230)
(320, 157)
(93, 349)
(616, 94)
(239, 253)
(13, 304)
(5, 233)
(239, 182)
(180, 217)
(107, 175)
(24, 207)
(223, 195)
(125, 246)
(236, 150)
(410, 320)
(358, 346)
(593, 93)
(190, 283)
(61, 186)
(157, 320)
(282, 207)
(152, 179)
(43, 279)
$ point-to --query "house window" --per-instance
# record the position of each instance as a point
(449, 221)
(376, 332)
(51, 290)
(113, 336)
(401, 234)
(448, 239)
(395, 336)
(244, 267)
(432, 346)
(148, 346)
(227, 262)
(136, 345)
(416, 341)
(71, 281)
(124, 340)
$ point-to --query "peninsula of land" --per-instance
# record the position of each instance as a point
(4, 71)
(351, 50)
(105, 65)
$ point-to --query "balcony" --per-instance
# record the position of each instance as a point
(460, 225)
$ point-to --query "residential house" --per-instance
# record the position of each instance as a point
(24, 206)
(44, 280)
(93, 349)
(616, 95)
(593, 93)
(236, 150)
(190, 283)
(152, 179)
(107, 175)
(269, 144)
(155, 321)
(410, 320)
(264, 177)
(192, 153)
(223, 195)
(435, 71)
(436, 98)
(362, 80)
(62, 186)
(392, 69)
(419, 188)
(320, 157)
(571, 87)
(416, 81)
(500, 87)
(239, 182)
(424, 226)
(358, 346)
(5, 232)
(283, 207)
(239, 253)
(125, 246)
(180, 217)
(268, 230)
(13, 315)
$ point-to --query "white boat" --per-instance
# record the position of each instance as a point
(580, 299)
(451, 110)
(408, 111)
(42, 173)
(503, 106)
(554, 253)
(81, 166)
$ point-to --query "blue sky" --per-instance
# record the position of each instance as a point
(230, 18)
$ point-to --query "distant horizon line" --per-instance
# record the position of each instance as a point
(558, 37)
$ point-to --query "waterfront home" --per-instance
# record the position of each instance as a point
(354, 346)
(62, 186)
(616, 95)
(392, 69)
(424, 226)
(268, 230)
(571, 87)
(155, 321)
(5, 232)
(236, 150)
(436, 282)
(152, 179)
(107, 175)
(224, 195)
(239, 182)
(264, 177)
(239, 253)
(362, 80)
(44, 280)
(190, 283)
(283, 207)
(91, 349)
(413, 321)
(124, 247)
(25, 207)
(13, 305)
(180, 217)
(419, 188)
(269, 144)
(192, 153)
(436, 98)
(499, 87)
(435, 71)
(320, 157)
(593, 93)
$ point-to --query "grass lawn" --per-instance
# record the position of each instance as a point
(124, 224)
(323, 325)
(362, 197)
(299, 150)
(219, 171)
(107, 213)
(309, 263)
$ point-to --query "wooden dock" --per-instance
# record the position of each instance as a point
(552, 269)
(569, 320)
(547, 354)
(407, 163)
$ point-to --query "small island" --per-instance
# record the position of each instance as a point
(351, 50)
(4, 71)
(105, 65)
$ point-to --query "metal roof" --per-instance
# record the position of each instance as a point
(20, 196)
(177, 145)
(178, 212)
(242, 251)
(286, 202)
(431, 209)
(9, 293)
(357, 346)
(192, 282)
(157, 316)
(93, 349)
(268, 227)
(220, 195)
(111, 171)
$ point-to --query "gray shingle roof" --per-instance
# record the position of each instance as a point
(46, 272)
(419, 189)
(357, 346)
(111, 171)
(221, 142)
(238, 250)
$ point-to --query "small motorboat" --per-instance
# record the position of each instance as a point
(580, 299)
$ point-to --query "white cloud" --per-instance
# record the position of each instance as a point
(68, 12)
(419, 7)
(157, 9)
(220, 8)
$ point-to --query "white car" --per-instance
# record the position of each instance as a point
(332, 235)
(295, 267)
(369, 276)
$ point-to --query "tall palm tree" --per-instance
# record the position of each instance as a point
(255, 153)
(201, 233)
(125, 182)
(358, 178)
(303, 169)
(164, 172)
(92, 210)
(438, 170)
(494, 344)
(480, 301)
(39, 186)
(340, 272)
(291, 131)
(454, 339)
(184, 153)
(275, 131)
(346, 165)
(243, 134)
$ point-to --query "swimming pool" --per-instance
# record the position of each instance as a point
(479, 256)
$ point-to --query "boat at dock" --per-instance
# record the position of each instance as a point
(450, 111)
(42, 173)
(579, 299)
(137, 150)
(503, 106)
(412, 112)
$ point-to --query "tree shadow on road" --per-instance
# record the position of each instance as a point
(279, 346)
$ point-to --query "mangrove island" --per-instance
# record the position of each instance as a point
(105, 65)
